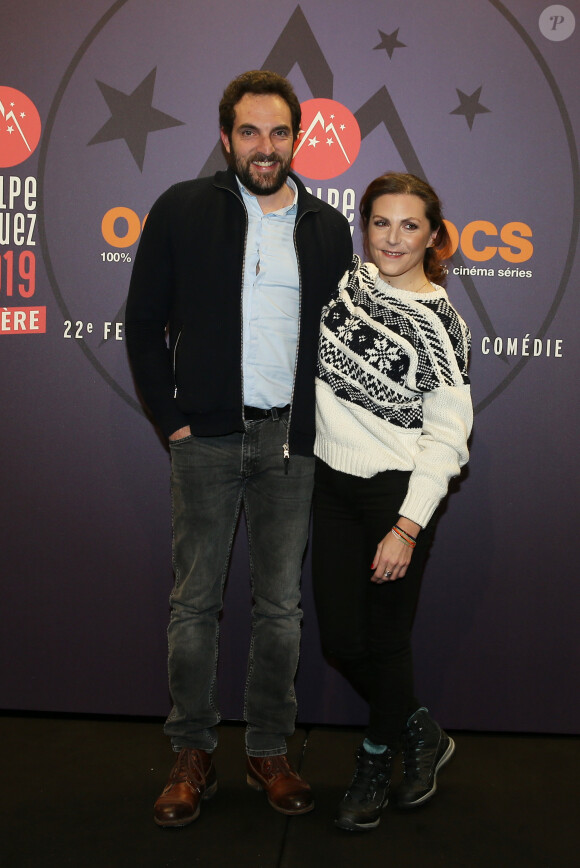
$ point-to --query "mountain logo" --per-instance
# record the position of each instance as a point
(19, 127)
(329, 140)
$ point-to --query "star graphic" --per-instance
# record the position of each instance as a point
(469, 106)
(133, 117)
(312, 142)
(330, 141)
(389, 41)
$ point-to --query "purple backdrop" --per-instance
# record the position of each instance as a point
(482, 98)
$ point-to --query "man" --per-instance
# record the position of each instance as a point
(237, 267)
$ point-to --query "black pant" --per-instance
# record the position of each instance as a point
(366, 627)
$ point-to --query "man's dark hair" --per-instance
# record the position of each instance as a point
(257, 81)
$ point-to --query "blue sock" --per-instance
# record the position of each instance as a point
(370, 747)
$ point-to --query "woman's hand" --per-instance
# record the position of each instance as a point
(393, 556)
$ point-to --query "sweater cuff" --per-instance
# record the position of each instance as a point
(419, 506)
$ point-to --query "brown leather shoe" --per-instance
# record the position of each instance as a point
(285, 789)
(192, 779)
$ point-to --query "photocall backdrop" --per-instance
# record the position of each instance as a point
(103, 106)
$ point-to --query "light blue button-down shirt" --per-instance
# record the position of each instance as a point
(270, 304)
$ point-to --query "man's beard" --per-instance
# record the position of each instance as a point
(261, 185)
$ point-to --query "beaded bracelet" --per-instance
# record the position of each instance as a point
(400, 535)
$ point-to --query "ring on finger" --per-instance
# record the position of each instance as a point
(388, 574)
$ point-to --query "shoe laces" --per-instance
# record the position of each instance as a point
(276, 765)
(187, 768)
(416, 759)
(369, 772)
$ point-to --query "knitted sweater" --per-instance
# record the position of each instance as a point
(392, 391)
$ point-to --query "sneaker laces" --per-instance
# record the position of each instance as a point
(417, 755)
(369, 772)
(412, 744)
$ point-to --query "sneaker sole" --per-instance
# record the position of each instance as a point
(425, 798)
(351, 826)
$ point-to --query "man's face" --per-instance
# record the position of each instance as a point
(261, 143)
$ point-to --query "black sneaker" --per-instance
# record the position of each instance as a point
(361, 807)
(426, 749)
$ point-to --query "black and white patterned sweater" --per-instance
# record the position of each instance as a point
(392, 390)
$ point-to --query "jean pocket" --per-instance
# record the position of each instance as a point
(181, 440)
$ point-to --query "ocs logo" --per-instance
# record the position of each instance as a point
(19, 127)
(478, 240)
(329, 140)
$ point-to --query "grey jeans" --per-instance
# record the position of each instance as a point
(211, 478)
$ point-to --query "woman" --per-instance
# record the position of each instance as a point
(393, 417)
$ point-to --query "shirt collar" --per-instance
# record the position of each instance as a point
(250, 197)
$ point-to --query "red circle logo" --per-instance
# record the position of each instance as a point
(19, 127)
(329, 140)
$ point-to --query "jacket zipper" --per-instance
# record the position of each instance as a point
(175, 362)
(286, 446)
(240, 199)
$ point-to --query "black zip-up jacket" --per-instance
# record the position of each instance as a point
(187, 280)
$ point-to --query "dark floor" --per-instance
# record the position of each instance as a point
(79, 792)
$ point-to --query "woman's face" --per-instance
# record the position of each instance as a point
(398, 235)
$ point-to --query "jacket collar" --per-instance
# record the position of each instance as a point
(306, 202)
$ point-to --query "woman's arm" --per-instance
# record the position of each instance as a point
(447, 421)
